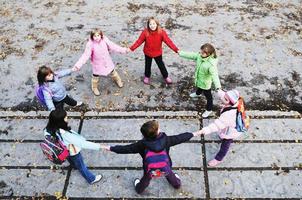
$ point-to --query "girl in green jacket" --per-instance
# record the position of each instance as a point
(205, 73)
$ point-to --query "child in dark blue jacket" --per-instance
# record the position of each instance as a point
(154, 150)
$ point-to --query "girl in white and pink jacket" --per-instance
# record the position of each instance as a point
(98, 49)
(225, 124)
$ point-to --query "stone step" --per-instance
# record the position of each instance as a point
(255, 184)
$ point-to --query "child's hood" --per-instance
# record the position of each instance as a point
(157, 144)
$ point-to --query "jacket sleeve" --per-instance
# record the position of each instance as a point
(114, 47)
(169, 42)
(128, 149)
(218, 124)
(139, 41)
(214, 73)
(48, 100)
(177, 139)
(188, 55)
(62, 73)
(78, 140)
(85, 56)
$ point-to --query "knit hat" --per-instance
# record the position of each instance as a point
(233, 96)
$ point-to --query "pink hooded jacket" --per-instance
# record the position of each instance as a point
(99, 53)
(225, 124)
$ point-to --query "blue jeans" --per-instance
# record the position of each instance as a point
(78, 162)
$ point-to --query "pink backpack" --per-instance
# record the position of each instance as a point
(157, 163)
(54, 149)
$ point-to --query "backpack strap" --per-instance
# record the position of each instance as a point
(44, 87)
(227, 109)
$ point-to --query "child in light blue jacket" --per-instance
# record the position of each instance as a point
(55, 95)
(58, 128)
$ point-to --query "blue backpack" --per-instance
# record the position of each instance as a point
(157, 164)
(39, 94)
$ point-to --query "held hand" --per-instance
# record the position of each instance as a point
(105, 147)
(197, 133)
(75, 68)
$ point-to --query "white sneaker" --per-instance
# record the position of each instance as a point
(206, 114)
(194, 95)
(136, 181)
(79, 103)
(97, 179)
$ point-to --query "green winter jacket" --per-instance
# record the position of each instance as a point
(206, 70)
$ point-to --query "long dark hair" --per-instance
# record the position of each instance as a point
(56, 121)
(42, 73)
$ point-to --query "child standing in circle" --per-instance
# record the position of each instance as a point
(153, 36)
(58, 128)
(54, 92)
(154, 149)
(205, 73)
(98, 49)
(225, 125)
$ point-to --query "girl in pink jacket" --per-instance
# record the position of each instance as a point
(225, 124)
(98, 49)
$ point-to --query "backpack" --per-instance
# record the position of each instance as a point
(242, 120)
(157, 164)
(54, 149)
(39, 94)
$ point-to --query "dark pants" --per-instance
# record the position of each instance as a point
(145, 181)
(224, 148)
(77, 162)
(209, 97)
(68, 100)
(160, 64)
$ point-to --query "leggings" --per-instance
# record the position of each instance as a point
(208, 95)
(160, 64)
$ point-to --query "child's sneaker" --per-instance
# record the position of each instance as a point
(213, 163)
(79, 103)
(194, 95)
(168, 80)
(97, 179)
(206, 114)
(136, 181)
(147, 80)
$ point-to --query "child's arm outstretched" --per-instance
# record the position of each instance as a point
(218, 124)
(126, 149)
(214, 72)
(188, 55)
(169, 42)
(112, 47)
(139, 41)
(64, 72)
(85, 56)
(180, 138)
